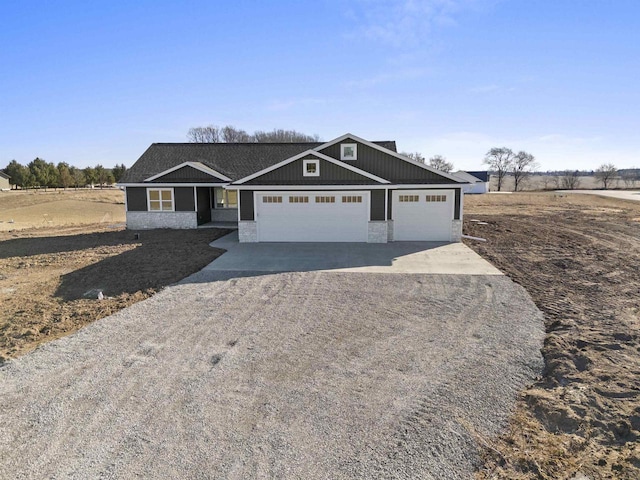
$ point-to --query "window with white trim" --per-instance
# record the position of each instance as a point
(436, 198)
(311, 168)
(325, 199)
(348, 151)
(160, 199)
(295, 199)
(352, 199)
(225, 198)
(271, 199)
(409, 198)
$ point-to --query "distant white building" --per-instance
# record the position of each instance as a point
(479, 181)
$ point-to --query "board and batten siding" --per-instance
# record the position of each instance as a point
(386, 166)
(292, 174)
(246, 205)
(187, 174)
(136, 199)
(184, 200)
(456, 207)
(377, 205)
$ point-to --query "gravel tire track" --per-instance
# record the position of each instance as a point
(294, 375)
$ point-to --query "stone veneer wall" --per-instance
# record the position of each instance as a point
(247, 231)
(148, 220)
(456, 230)
(377, 232)
(224, 214)
(389, 230)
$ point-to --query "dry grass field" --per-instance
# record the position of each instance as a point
(28, 209)
(579, 258)
(50, 272)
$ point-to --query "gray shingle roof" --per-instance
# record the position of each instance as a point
(235, 160)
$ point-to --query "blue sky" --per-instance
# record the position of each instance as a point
(97, 82)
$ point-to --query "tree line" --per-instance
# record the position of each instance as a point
(231, 134)
(42, 174)
(503, 161)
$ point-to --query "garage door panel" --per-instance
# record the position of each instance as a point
(301, 217)
(422, 215)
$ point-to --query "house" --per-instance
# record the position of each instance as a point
(4, 181)
(345, 190)
(479, 181)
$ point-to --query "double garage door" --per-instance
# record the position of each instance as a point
(422, 215)
(312, 216)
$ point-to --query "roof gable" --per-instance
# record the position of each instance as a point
(331, 171)
(386, 163)
(196, 172)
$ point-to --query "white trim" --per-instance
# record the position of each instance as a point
(319, 155)
(167, 185)
(343, 157)
(389, 152)
(195, 200)
(173, 200)
(425, 186)
(305, 173)
(197, 165)
(386, 204)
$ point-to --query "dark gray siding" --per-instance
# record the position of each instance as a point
(390, 204)
(184, 201)
(456, 207)
(187, 174)
(292, 174)
(386, 166)
(246, 205)
(377, 205)
(204, 204)
(136, 199)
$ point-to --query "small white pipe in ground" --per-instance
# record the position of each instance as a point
(474, 238)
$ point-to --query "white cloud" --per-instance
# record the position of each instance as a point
(403, 23)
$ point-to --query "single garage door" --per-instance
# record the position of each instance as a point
(312, 216)
(422, 214)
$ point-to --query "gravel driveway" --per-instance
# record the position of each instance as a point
(296, 375)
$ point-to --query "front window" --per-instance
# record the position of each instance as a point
(160, 199)
(226, 198)
(311, 168)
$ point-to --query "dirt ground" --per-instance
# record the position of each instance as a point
(579, 258)
(577, 255)
(50, 276)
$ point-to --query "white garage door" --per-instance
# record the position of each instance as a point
(312, 216)
(422, 214)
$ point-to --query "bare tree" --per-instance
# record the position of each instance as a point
(283, 136)
(231, 134)
(417, 156)
(550, 182)
(606, 174)
(208, 134)
(522, 165)
(570, 179)
(629, 177)
(440, 163)
(499, 161)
